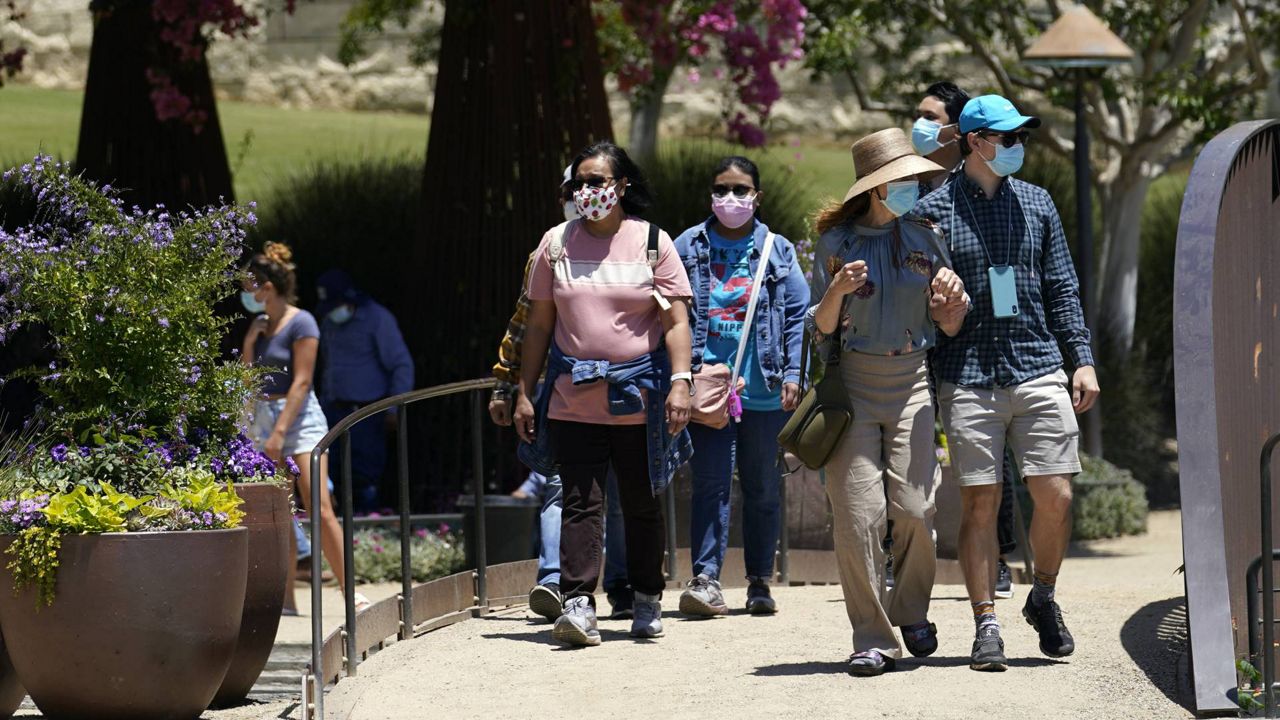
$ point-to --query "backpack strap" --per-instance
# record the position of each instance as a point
(651, 253)
(555, 250)
(653, 247)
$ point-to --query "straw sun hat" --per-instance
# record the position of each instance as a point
(887, 156)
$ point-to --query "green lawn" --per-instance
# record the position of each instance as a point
(263, 142)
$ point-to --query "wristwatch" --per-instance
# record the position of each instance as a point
(502, 391)
(686, 376)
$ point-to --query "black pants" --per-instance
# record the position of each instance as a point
(1004, 517)
(584, 453)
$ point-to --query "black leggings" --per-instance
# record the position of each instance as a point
(584, 452)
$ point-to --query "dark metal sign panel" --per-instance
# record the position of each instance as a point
(1226, 336)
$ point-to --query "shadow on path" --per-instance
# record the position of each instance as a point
(1155, 637)
(904, 665)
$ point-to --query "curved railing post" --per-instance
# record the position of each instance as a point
(406, 570)
(1268, 583)
(477, 458)
(317, 613)
(348, 556)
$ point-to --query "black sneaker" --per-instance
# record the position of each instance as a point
(988, 651)
(622, 602)
(1046, 618)
(888, 573)
(921, 639)
(545, 600)
(1004, 580)
(759, 600)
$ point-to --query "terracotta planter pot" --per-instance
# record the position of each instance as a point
(143, 626)
(11, 691)
(270, 525)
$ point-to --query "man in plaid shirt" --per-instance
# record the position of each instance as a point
(1001, 379)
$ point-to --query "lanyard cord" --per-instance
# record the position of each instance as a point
(1008, 252)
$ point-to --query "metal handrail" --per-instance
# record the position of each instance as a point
(342, 430)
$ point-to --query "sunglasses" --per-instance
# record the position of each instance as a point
(597, 182)
(1008, 140)
(737, 190)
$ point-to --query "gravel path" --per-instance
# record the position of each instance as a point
(1123, 603)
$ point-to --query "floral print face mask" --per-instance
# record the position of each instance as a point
(595, 203)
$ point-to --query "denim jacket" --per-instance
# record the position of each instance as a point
(779, 321)
(651, 373)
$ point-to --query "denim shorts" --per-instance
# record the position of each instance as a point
(306, 431)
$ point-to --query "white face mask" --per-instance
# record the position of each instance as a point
(570, 210)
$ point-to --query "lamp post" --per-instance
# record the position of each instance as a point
(1078, 40)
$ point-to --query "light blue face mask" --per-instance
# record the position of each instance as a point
(251, 303)
(902, 197)
(341, 314)
(1007, 161)
(924, 136)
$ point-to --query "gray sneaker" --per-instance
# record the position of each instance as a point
(702, 598)
(648, 616)
(988, 651)
(577, 626)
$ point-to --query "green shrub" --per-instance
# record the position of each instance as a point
(1108, 502)
(358, 215)
(431, 555)
(681, 181)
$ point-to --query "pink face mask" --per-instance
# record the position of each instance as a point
(733, 211)
(595, 203)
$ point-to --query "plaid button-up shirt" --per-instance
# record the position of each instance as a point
(507, 369)
(1018, 227)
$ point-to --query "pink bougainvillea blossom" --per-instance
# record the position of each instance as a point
(756, 38)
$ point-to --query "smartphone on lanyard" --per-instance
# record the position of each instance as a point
(1004, 290)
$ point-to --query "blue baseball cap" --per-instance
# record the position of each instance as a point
(993, 112)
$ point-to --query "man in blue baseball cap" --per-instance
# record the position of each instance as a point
(1001, 379)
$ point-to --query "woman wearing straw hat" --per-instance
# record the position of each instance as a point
(885, 285)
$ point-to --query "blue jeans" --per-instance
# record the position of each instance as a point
(755, 440)
(615, 548)
(368, 455)
(304, 543)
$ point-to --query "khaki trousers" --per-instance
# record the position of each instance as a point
(885, 468)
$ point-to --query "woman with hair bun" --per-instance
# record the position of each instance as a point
(287, 420)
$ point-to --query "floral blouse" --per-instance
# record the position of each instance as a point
(889, 315)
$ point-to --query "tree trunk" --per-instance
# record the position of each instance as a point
(1117, 298)
(519, 93)
(646, 112)
(122, 142)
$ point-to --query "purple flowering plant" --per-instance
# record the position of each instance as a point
(127, 296)
(141, 428)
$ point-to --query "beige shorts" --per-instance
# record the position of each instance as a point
(1035, 419)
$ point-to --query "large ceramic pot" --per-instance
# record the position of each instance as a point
(270, 524)
(143, 626)
(11, 691)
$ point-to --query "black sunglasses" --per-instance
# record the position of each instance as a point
(598, 181)
(1008, 139)
(737, 190)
